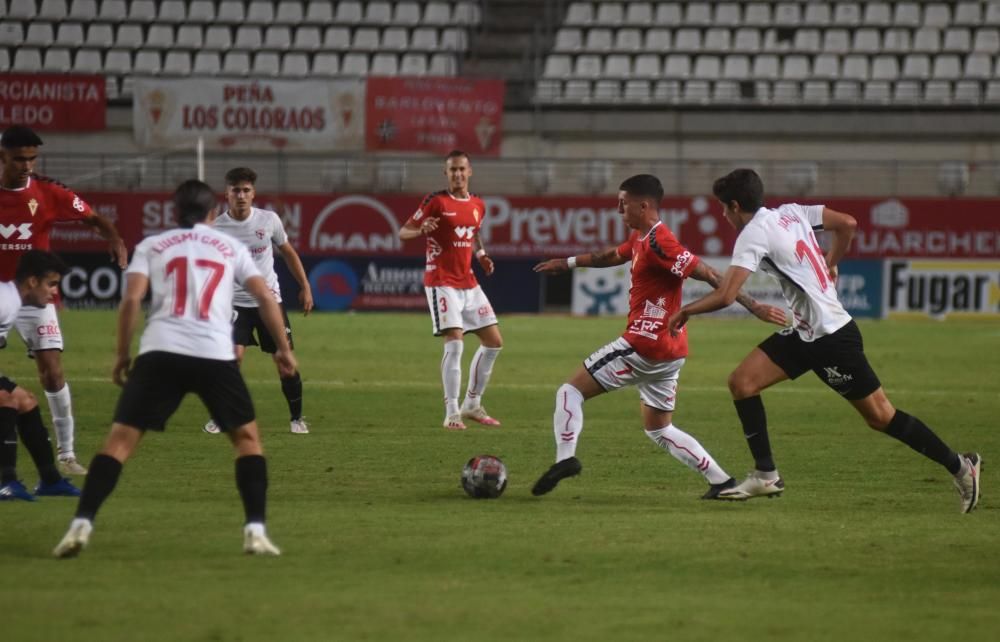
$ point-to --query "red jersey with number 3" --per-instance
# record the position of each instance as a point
(27, 215)
(450, 246)
(659, 266)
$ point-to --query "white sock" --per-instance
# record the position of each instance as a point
(61, 407)
(688, 451)
(567, 422)
(256, 528)
(479, 375)
(451, 375)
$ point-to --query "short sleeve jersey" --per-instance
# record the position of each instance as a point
(26, 217)
(659, 266)
(10, 305)
(191, 274)
(782, 243)
(260, 232)
(449, 247)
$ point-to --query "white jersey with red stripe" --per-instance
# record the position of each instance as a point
(191, 274)
(781, 242)
(261, 231)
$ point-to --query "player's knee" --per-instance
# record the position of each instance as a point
(741, 385)
(879, 419)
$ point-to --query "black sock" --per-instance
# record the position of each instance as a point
(754, 419)
(292, 389)
(251, 480)
(101, 479)
(36, 439)
(915, 434)
(8, 445)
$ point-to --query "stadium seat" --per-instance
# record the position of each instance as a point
(726, 92)
(638, 14)
(172, 11)
(986, 41)
(177, 63)
(968, 14)
(687, 40)
(236, 63)
(878, 92)
(467, 13)
(40, 34)
(668, 14)
(126, 87)
(697, 92)
(337, 38)
(609, 14)
(231, 12)
(978, 67)
(377, 12)
(826, 66)
(160, 37)
(201, 12)
(836, 41)
(142, 11)
(677, 66)
(207, 63)
(736, 67)
(617, 66)
(816, 92)
(867, 41)
(437, 14)
(557, 66)
(992, 92)
(129, 37)
(100, 36)
(757, 14)
(746, 41)
(22, 10)
(916, 67)
(87, 61)
(598, 40)
(817, 15)
(637, 91)
(937, 92)
(443, 64)
(248, 37)
(907, 14)
(667, 91)
(937, 14)
(396, 39)
(384, 64)
(854, 67)
(454, 40)
(354, 64)
(587, 66)
(567, 40)
(118, 61)
(717, 40)
(84, 11)
(259, 12)
(54, 10)
(113, 11)
(765, 66)
(607, 91)
(413, 64)
(406, 14)
(628, 40)
(328, 64)
(218, 37)
(699, 14)
(847, 14)
(295, 65)
(958, 41)
(366, 39)
(992, 19)
(424, 39)
(877, 14)
(885, 67)
(147, 62)
(27, 59)
(189, 36)
(4, 60)
(266, 63)
(968, 92)
(794, 67)
(846, 91)
(727, 14)
(69, 34)
(57, 59)
(896, 41)
(646, 66)
(658, 40)
(289, 12)
(785, 92)
(11, 34)
(947, 67)
(807, 41)
(319, 12)
(277, 37)
(788, 14)
(926, 41)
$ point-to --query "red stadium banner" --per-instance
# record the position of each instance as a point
(434, 115)
(550, 226)
(53, 102)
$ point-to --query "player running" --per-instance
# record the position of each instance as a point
(450, 220)
(824, 338)
(29, 205)
(187, 346)
(646, 355)
(261, 231)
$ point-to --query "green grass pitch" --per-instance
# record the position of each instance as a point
(380, 543)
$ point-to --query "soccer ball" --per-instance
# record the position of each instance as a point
(484, 477)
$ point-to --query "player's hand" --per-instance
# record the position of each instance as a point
(832, 271)
(429, 225)
(552, 266)
(286, 359)
(770, 314)
(119, 254)
(122, 366)
(486, 263)
(677, 321)
(306, 299)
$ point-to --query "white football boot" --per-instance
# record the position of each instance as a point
(757, 484)
(256, 542)
(299, 427)
(967, 481)
(75, 539)
(212, 428)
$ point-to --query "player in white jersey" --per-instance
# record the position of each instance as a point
(261, 231)
(823, 337)
(36, 283)
(186, 347)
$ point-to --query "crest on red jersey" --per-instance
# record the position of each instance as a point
(33, 206)
(475, 213)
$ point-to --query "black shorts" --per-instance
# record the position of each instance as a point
(159, 381)
(247, 322)
(7, 384)
(838, 359)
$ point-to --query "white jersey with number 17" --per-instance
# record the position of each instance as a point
(781, 242)
(191, 274)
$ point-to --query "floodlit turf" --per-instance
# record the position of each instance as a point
(380, 543)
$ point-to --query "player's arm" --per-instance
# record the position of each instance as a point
(605, 258)
(422, 222)
(842, 226)
(719, 298)
(294, 264)
(136, 285)
(766, 313)
(270, 314)
(484, 259)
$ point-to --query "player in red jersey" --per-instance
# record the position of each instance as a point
(29, 205)
(646, 356)
(450, 221)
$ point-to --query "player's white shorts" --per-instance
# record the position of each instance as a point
(466, 308)
(617, 365)
(39, 328)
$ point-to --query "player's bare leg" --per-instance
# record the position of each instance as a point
(251, 479)
(480, 370)
(451, 377)
(50, 375)
(686, 449)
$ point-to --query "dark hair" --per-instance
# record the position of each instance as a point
(241, 175)
(38, 263)
(457, 153)
(643, 186)
(19, 136)
(743, 186)
(193, 200)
